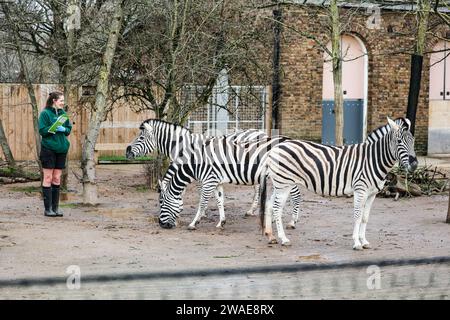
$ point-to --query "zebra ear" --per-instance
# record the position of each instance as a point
(392, 124)
(408, 123)
(148, 127)
(161, 185)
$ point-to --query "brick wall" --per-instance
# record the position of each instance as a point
(388, 71)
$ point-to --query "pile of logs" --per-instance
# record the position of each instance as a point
(423, 181)
(17, 174)
(8, 180)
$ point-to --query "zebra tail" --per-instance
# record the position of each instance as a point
(262, 201)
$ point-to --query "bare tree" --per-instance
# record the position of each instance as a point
(66, 36)
(180, 44)
(99, 113)
(336, 57)
(44, 33)
(422, 12)
(70, 27)
(5, 147)
(334, 24)
(13, 25)
(442, 9)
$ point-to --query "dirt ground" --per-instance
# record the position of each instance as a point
(122, 234)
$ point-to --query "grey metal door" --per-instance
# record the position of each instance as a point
(353, 121)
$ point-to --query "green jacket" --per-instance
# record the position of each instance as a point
(58, 141)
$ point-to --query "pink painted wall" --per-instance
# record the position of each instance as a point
(437, 72)
(352, 71)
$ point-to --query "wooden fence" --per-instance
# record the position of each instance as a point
(15, 111)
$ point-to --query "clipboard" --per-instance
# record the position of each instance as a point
(59, 122)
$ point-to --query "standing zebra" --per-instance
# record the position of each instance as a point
(358, 169)
(177, 142)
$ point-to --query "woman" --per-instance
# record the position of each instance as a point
(54, 148)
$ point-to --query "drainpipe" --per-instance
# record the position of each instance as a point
(276, 87)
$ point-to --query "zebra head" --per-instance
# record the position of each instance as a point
(402, 143)
(170, 206)
(144, 143)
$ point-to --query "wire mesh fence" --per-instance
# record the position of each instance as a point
(228, 110)
(424, 278)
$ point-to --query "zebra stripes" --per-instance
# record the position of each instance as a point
(173, 140)
(215, 162)
(358, 169)
(180, 145)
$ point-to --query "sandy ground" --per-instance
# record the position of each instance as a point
(122, 234)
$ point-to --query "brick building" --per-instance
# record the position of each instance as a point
(386, 69)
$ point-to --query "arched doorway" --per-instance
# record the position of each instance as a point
(439, 95)
(354, 86)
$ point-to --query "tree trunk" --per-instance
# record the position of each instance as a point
(338, 105)
(67, 74)
(423, 12)
(29, 85)
(337, 73)
(5, 147)
(99, 113)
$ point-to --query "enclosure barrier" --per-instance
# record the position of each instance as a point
(418, 278)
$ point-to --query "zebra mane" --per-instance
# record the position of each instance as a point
(381, 131)
(163, 123)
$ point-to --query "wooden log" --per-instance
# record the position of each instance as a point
(412, 188)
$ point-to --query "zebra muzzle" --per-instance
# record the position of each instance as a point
(166, 225)
(413, 163)
(128, 153)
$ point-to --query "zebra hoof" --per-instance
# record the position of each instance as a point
(221, 224)
(273, 241)
(286, 243)
(191, 227)
(366, 246)
(358, 247)
(290, 225)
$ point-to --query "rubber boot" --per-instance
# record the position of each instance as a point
(55, 201)
(47, 194)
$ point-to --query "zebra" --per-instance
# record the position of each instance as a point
(215, 162)
(358, 169)
(177, 142)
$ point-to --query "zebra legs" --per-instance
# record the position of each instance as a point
(365, 219)
(218, 192)
(205, 195)
(296, 199)
(219, 197)
(268, 231)
(279, 199)
(360, 199)
(255, 204)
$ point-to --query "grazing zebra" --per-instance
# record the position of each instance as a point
(215, 162)
(177, 142)
(358, 169)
